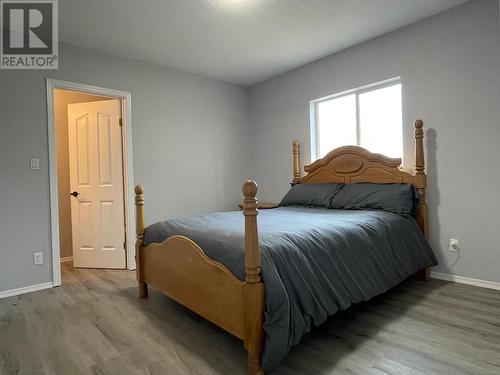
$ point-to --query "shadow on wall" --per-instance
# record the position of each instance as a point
(432, 188)
(433, 201)
(433, 192)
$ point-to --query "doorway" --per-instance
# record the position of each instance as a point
(91, 177)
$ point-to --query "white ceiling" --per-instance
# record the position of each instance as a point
(240, 41)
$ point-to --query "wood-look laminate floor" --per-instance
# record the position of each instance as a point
(95, 324)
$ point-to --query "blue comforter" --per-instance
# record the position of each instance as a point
(314, 261)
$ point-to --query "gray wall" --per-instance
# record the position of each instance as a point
(450, 69)
(189, 143)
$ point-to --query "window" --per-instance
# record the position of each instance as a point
(370, 117)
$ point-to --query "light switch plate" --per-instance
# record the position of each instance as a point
(34, 164)
(37, 259)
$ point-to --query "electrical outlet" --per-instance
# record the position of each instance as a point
(37, 259)
(454, 245)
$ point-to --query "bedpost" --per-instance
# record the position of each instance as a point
(254, 288)
(421, 184)
(419, 148)
(139, 230)
(296, 162)
(421, 181)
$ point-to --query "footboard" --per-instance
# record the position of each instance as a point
(180, 268)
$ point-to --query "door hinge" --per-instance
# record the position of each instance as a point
(125, 245)
(120, 122)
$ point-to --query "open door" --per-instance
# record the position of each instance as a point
(96, 179)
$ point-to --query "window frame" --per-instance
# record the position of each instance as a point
(313, 111)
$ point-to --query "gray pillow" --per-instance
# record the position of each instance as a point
(398, 198)
(311, 195)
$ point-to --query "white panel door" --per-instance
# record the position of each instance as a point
(96, 178)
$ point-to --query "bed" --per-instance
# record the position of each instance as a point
(271, 290)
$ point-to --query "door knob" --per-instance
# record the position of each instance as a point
(75, 194)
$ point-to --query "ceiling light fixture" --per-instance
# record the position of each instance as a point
(234, 6)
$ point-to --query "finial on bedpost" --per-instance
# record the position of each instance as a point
(296, 162)
(139, 204)
(139, 230)
(252, 258)
(419, 148)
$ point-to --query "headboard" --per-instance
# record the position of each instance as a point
(351, 164)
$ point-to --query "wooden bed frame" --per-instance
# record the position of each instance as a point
(180, 268)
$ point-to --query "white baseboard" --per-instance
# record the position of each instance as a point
(26, 289)
(66, 259)
(465, 280)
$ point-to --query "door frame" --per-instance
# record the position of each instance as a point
(128, 175)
